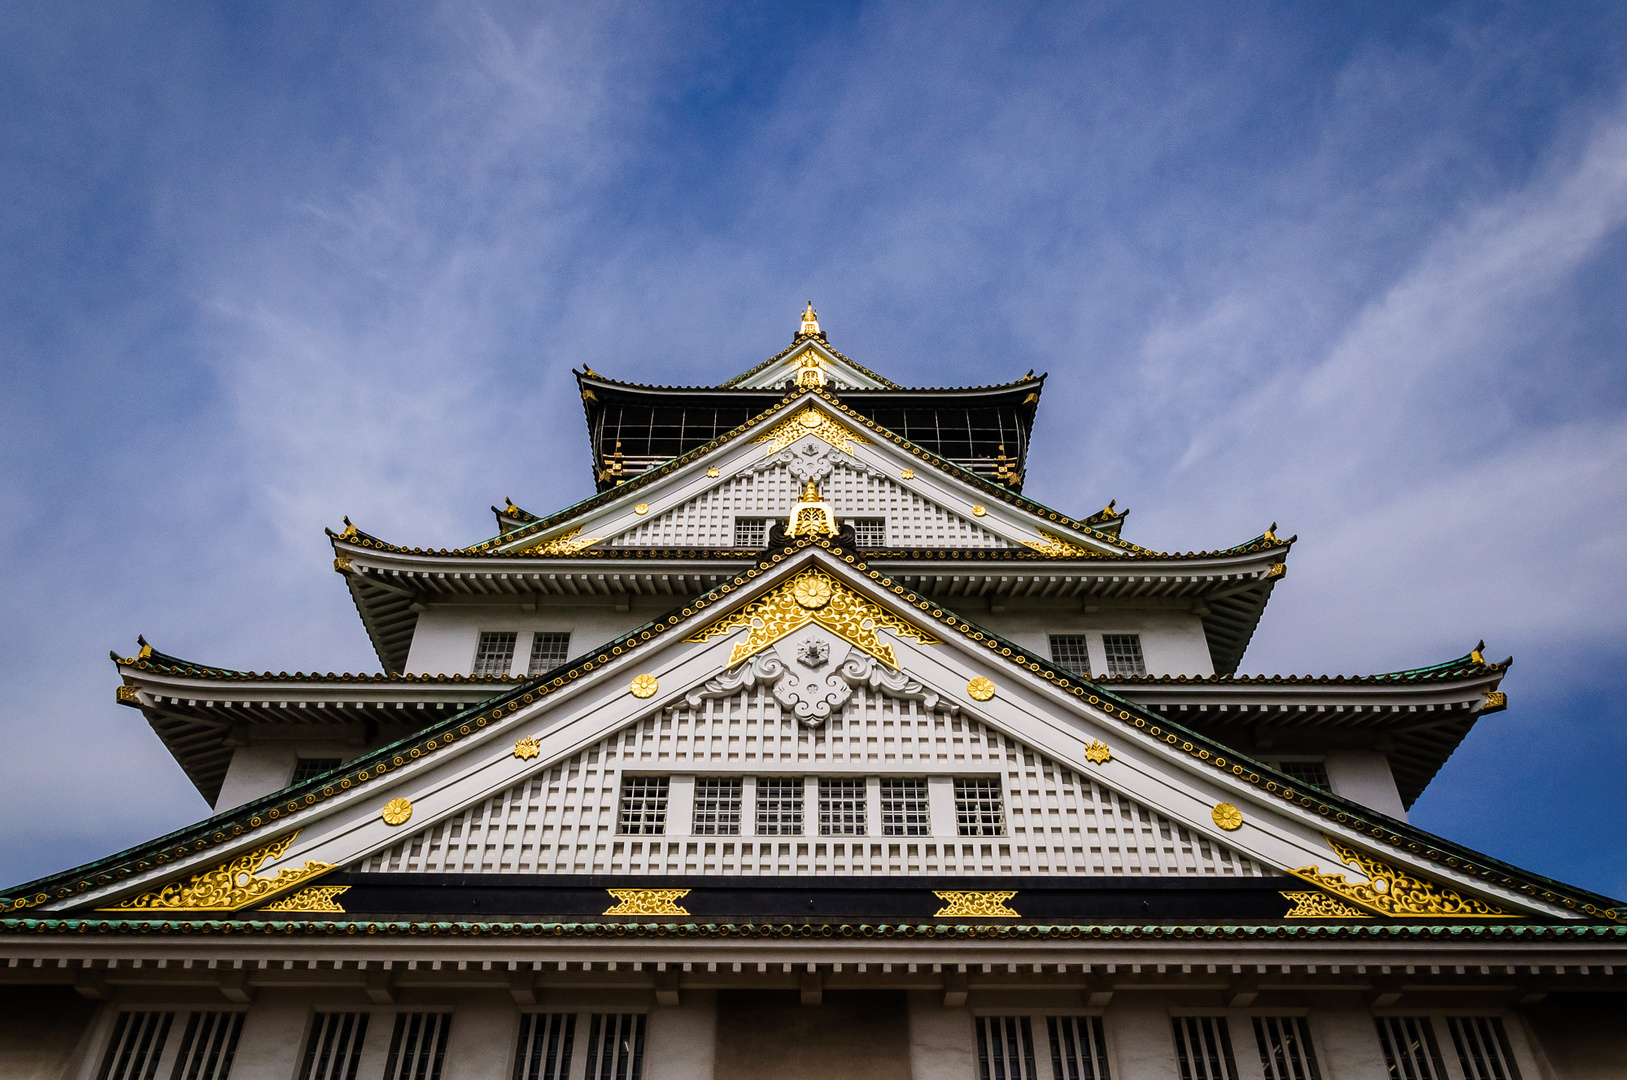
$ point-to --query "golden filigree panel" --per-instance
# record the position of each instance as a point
(316, 898)
(229, 886)
(566, 543)
(1315, 905)
(810, 421)
(959, 904)
(1056, 547)
(814, 596)
(647, 902)
(1392, 892)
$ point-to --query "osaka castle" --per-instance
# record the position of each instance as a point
(808, 748)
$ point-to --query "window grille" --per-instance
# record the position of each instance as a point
(208, 1046)
(870, 532)
(1409, 1048)
(1005, 1048)
(717, 806)
(307, 767)
(1069, 651)
(841, 807)
(495, 656)
(544, 1051)
(1482, 1047)
(548, 651)
(750, 532)
(1309, 773)
(1285, 1048)
(417, 1046)
(137, 1044)
(978, 810)
(1203, 1048)
(779, 806)
(644, 805)
(1078, 1048)
(904, 808)
(615, 1047)
(1124, 654)
(334, 1049)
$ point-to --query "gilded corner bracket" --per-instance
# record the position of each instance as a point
(229, 886)
(1393, 893)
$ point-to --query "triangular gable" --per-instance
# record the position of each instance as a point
(298, 834)
(811, 363)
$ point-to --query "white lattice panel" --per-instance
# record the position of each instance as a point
(708, 519)
(562, 819)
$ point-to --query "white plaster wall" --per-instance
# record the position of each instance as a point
(1139, 1042)
(681, 1042)
(943, 1045)
(273, 1031)
(481, 1041)
(1364, 775)
(261, 768)
(447, 635)
(1346, 1040)
(1172, 642)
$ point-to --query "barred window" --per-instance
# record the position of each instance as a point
(1482, 1047)
(717, 806)
(1005, 1048)
(1309, 773)
(137, 1044)
(544, 1051)
(615, 1046)
(1410, 1049)
(904, 808)
(1285, 1048)
(307, 767)
(1203, 1048)
(1078, 1048)
(779, 806)
(978, 809)
(643, 805)
(334, 1048)
(870, 532)
(750, 532)
(495, 655)
(841, 807)
(1124, 654)
(548, 651)
(417, 1046)
(1068, 651)
(209, 1045)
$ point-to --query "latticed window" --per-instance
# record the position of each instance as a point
(495, 654)
(1482, 1047)
(1310, 773)
(1078, 1048)
(137, 1044)
(615, 1046)
(544, 1050)
(870, 532)
(1069, 651)
(334, 1048)
(779, 806)
(1005, 1048)
(643, 806)
(548, 651)
(1410, 1049)
(904, 808)
(978, 810)
(717, 806)
(307, 767)
(1124, 654)
(1203, 1048)
(750, 532)
(841, 807)
(417, 1046)
(1285, 1048)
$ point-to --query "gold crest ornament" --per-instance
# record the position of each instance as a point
(396, 812)
(227, 887)
(713, 472)
(644, 686)
(812, 592)
(527, 748)
(1227, 816)
(979, 511)
(810, 421)
(980, 689)
(1098, 753)
(908, 474)
(641, 508)
(961, 904)
(647, 902)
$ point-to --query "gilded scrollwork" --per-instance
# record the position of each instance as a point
(964, 904)
(1392, 892)
(810, 421)
(1056, 547)
(1316, 905)
(229, 886)
(566, 543)
(786, 609)
(647, 902)
(315, 898)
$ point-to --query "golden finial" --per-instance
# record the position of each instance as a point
(1475, 654)
(350, 530)
(1271, 534)
(810, 493)
(810, 319)
(508, 505)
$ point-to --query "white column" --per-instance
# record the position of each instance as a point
(681, 806)
(681, 1042)
(942, 1042)
(1346, 1042)
(1140, 1041)
(748, 806)
(940, 794)
(872, 806)
(810, 808)
(274, 1033)
(480, 1044)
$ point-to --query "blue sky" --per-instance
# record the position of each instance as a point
(1357, 269)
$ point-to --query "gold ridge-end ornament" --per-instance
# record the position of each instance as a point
(1227, 816)
(396, 812)
(527, 748)
(980, 689)
(644, 686)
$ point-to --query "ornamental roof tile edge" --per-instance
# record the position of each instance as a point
(266, 812)
(797, 343)
(890, 388)
(1463, 667)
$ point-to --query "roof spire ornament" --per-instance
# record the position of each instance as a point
(811, 516)
(810, 322)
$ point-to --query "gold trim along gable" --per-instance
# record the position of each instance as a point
(810, 421)
(229, 886)
(1391, 892)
